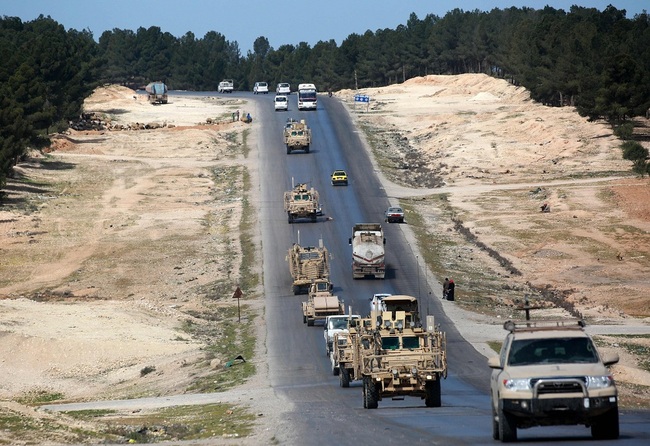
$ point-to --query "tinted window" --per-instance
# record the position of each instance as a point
(552, 351)
(390, 343)
(410, 342)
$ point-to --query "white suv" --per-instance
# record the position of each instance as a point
(261, 87)
(281, 102)
(283, 88)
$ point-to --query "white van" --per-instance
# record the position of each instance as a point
(261, 87)
(281, 102)
(283, 88)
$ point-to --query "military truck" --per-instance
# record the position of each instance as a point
(394, 355)
(301, 202)
(306, 265)
(297, 136)
(320, 302)
(157, 92)
(368, 251)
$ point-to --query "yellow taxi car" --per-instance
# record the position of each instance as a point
(339, 178)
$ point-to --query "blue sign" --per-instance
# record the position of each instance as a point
(361, 98)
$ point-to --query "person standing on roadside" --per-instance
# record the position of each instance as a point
(451, 289)
(445, 288)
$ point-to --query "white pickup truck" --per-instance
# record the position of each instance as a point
(336, 324)
(226, 86)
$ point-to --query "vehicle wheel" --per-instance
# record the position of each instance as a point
(296, 290)
(310, 322)
(495, 424)
(605, 426)
(507, 427)
(335, 369)
(313, 218)
(288, 150)
(304, 319)
(289, 218)
(370, 393)
(344, 377)
(432, 390)
(307, 149)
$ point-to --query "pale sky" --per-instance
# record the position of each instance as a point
(280, 21)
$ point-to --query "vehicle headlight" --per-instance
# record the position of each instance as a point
(600, 382)
(517, 385)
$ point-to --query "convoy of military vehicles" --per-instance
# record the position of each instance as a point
(393, 352)
(389, 351)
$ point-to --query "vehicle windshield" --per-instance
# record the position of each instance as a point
(552, 351)
(307, 96)
(391, 343)
(338, 324)
(410, 342)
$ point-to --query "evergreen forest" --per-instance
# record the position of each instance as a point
(596, 61)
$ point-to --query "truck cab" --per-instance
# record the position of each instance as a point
(336, 324)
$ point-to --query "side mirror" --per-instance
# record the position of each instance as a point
(610, 358)
(384, 241)
(494, 362)
(349, 241)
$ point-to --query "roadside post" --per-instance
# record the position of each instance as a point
(237, 295)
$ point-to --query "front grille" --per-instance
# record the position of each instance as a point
(544, 386)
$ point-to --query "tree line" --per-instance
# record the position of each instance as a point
(597, 61)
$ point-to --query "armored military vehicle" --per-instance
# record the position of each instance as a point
(301, 203)
(307, 264)
(394, 355)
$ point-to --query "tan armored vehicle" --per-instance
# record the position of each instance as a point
(320, 302)
(393, 354)
(549, 373)
(306, 265)
(297, 136)
(301, 202)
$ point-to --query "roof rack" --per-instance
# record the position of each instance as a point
(540, 325)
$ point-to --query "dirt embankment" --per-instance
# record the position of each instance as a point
(115, 245)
